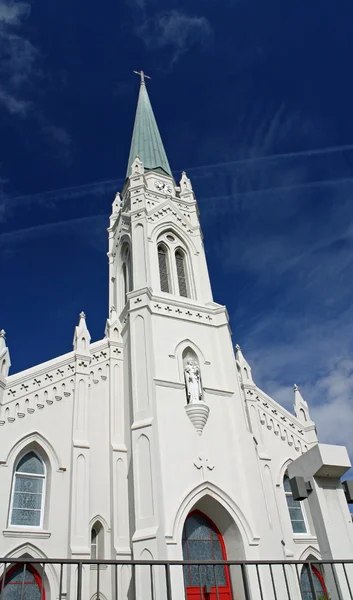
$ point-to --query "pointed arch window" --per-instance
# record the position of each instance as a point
(97, 541)
(28, 490)
(22, 582)
(126, 271)
(163, 268)
(181, 272)
(174, 265)
(295, 509)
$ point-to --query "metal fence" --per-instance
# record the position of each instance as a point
(55, 579)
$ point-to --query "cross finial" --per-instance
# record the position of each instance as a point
(142, 75)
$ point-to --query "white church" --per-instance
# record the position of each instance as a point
(155, 443)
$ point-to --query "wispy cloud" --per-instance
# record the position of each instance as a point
(300, 323)
(17, 57)
(172, 29)
(175, 30)
(20, 70)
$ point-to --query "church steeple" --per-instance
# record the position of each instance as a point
(146, 140)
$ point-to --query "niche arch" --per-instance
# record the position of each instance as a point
(178, 354)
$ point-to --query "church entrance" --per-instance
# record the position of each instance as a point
(202, 541)
(22, 582)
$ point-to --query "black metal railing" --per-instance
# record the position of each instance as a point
(66, 579)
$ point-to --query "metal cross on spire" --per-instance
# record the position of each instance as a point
(142, 75)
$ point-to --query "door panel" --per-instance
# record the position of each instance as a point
(202, 541)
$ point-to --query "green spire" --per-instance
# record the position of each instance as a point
(146, 140)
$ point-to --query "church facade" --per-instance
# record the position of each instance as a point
(130, 446)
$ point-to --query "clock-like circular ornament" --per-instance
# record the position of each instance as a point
(159, 185)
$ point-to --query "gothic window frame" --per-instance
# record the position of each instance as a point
(173, 243)
(298, 505)
(166, 251)
(98, 543)
(179, 250)
(17, 475)
(126, 279)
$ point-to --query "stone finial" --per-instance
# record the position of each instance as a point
(243, 367)
(301, 407)
(5, 361)
(137, 167)
(2, 339)
(117, 203)
(82, 336)
(112, 328)
(185, 184)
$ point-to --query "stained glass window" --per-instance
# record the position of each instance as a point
(28, 488)
(295, 509)
(163, 268)
(202, 542)
(180, 265)
(319, 586)
(22, 583)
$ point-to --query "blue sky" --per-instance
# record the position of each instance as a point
(254, 101)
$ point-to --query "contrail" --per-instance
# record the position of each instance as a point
(28, 232)
(243, 161)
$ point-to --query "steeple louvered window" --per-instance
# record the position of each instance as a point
(181, 272)
(174, 265)
(126, 272)
(163, 268)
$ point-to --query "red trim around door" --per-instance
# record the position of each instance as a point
(224, 591)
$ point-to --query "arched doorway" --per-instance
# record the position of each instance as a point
(22, 582)
(318, 581)
(202, 541)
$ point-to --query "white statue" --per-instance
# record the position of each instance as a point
(193, 382)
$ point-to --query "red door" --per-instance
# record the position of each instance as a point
(202, 541)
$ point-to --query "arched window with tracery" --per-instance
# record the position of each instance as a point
(295, 509)
(202, 541)
(22, 582)
(28, 492)
(317, 581)
(163, 268)
(181, 272)
(174, 271)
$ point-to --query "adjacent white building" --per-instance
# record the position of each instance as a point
(155, 442)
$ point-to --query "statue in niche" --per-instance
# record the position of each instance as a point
(193, 382)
